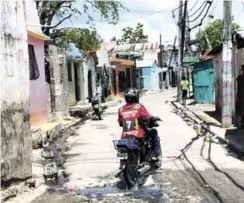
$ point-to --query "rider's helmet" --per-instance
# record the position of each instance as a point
(131, 96)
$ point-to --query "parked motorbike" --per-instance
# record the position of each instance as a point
(97, 109)
(135, 155)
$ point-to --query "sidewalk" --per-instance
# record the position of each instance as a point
(206, 112)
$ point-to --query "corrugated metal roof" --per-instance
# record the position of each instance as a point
(144, 63)
(136, 47)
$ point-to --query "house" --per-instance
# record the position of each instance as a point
(121, 76)
(36, 39)
(150, 73)
(203, 82)
(104, 74)
(16, 146)
(237, 63)
(144, 50)
(76, 75)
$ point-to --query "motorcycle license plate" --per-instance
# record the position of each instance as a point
(122, 155)
(96, 106)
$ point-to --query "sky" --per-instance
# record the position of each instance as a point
(156, 16)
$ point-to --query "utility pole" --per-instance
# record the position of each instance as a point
(179, 52)
(183, 33)
(161, 62)
(169, 79)
(227, 68)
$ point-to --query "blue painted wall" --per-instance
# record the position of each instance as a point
(150, 75)
(203, 77)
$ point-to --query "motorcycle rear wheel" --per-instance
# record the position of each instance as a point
(130, 173)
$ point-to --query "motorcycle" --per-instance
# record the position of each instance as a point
(97, 109)
(136, 163)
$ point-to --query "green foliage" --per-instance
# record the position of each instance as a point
(87, 40)
(135, 35)
(213, 31)
(60, 11)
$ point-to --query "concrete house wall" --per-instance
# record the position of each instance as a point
(38, 92)
(16, 144)
(71, 85)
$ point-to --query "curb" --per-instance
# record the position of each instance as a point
(199, 120)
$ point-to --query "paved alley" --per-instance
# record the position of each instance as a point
(206, 173)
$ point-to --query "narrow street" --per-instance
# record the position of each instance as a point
(204, 174)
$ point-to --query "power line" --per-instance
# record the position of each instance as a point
(190, 21)
(144, 16)
(198, 9)
(200, 24)
(193, 6)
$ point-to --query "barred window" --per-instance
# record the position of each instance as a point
(33, 66)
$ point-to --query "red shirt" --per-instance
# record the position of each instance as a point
(134, 111)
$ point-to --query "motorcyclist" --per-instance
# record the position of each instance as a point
(130, 116)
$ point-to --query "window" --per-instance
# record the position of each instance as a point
(33, 66)
(69, 72)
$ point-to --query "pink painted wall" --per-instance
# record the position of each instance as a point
(38, 93)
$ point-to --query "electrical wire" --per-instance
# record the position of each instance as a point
(190, 21)
(200, 24)
(193, 6)
(198, 9)
(144, 16)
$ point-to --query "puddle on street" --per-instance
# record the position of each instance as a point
(149, 190)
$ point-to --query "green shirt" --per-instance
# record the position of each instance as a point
(184, 84)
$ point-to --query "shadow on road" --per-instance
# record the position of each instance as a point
(203, 182)
(220, 171)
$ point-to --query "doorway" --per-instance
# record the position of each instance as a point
(90, 84)
(122, 81)
(128, 77)
(114, 82)
(77, 82)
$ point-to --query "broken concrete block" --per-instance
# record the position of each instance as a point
(12, 192)
(50, 170)
(36, 138)
(54, 132)
(47, 154)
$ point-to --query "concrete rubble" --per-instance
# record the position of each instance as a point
(46, 148)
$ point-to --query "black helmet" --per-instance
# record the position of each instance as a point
(131, 96)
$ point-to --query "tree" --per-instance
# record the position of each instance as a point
(87, 40)
(135, 35)
(213, 32)
(60, 11)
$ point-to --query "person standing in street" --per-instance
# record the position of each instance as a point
(184, 87)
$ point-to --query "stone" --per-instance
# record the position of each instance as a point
(31, 183)
(47, 153)
(8, 194)
(50, 170)
(54, 132)
(36, 138)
